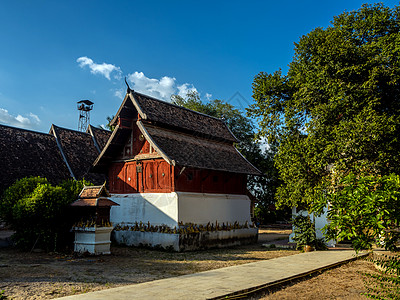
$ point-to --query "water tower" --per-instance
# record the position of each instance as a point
(84, 107)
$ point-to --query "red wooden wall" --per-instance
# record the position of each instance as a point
(136, 143)
(157, 176)
(149, 173)
(209, 181)
(146, 176)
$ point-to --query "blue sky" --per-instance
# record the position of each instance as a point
(55, 53)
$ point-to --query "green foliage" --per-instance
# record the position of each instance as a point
(38, 211)
(263, 187)
(304, 231)
(2, 295)
(18, 190)
(108, 125)
(266, 213)
(366, 211)
(338, 108)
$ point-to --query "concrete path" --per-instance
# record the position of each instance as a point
(226, 281)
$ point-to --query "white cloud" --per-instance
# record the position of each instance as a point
(159, 88)
(119, 93)
(208, 96)
(31, 121)
(34, 117)
(102, 69)
(186, 88)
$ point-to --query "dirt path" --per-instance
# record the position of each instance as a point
(44, 276)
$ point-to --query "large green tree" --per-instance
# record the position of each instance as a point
(263, 187)
(337, 109)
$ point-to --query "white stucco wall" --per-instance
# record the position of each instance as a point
(156, 208)
(171, 208)
(203, 208)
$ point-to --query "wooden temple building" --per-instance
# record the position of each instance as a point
(170, 166)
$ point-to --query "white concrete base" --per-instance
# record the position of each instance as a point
(217, 239)
(147, 239)
(94, 240)
(187, 242)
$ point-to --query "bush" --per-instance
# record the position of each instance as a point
(365, 210)
(38, 211)
(304, 231)
(20, 189)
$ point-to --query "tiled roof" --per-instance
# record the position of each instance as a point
(60, 155)
(99, 135)
(191, 151)
(94, 191)
(79, 151)
(181, 136)
(180, 118)
(26, 153)
(94, 202)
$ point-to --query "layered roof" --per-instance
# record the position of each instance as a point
(168, 115)
(100, 136)
(26, 153)
(61, 155)
(181, 136)
(197, 152)
(79, 151)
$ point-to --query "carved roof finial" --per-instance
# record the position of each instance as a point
(128, 87)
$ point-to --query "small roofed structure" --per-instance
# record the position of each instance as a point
(94, 204)
(92, 232)
(85, 105)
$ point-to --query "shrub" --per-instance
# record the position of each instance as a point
(38, 211)
(20, 189)
(365, 210)
(304, 231)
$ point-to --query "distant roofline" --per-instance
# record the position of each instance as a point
(99, 128)
(70, 129)
(23, 129)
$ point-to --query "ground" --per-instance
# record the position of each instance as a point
(343, 282)
(43, 276)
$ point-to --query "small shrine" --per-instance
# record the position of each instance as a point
(93, 230)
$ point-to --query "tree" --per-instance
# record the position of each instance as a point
(337, 110)
(38, 211)
(263, 187)
(108, 126)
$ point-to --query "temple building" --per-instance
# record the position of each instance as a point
(176, 171)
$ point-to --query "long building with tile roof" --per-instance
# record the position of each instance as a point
(58, 155)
